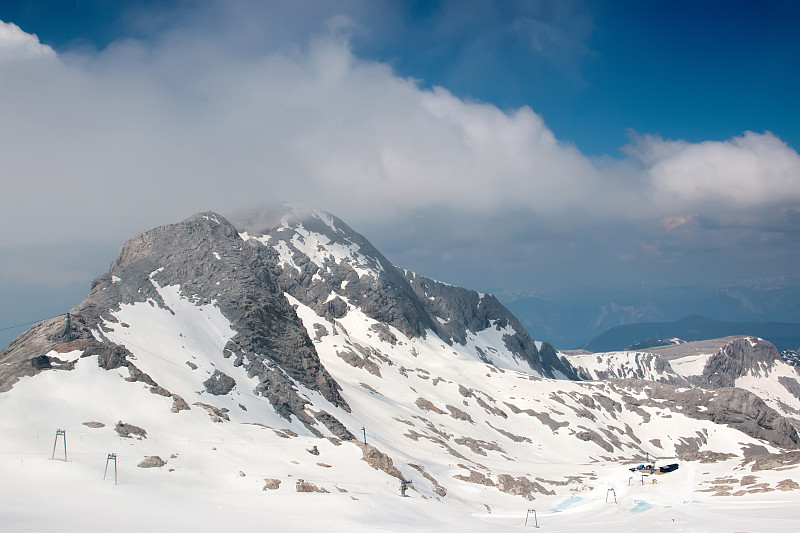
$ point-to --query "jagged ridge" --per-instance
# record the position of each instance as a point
(328, 266)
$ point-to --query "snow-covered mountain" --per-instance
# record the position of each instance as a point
(744, 362)
(327, 266)
(281, 365)
(625, 365)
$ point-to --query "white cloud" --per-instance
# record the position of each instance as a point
(135, 136)
(15, 44)
(100, 145)
(751, 171)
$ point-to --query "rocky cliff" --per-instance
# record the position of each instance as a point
(205, 257)
(326, 265)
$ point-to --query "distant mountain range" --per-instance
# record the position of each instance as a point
(691, 328)
(572, 318)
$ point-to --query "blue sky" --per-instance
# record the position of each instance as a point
(691, 70)
(685, 69)
(523, 146)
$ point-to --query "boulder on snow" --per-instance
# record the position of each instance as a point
(126, 430)
(151, 461)
(219, 384)
(271, 484)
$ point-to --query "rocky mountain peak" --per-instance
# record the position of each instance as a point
(739, 357)
(328, 266)
(717, 363)
(203, 261)
(325, 264)
(319, 235)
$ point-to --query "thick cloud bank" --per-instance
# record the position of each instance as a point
(100, 144)
(754, 170)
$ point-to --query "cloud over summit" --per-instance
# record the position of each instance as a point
(142, 133)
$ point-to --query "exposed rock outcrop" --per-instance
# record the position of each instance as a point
(46, 336)
(302, 485)
(378, 460)
(739, 357)
(521, 486)
(219, 384)
(205, 256)
(737, 408)
(323, 263)
(129, 430)
(384, 296)
(271, 484)
(151, 461)
(626, 365)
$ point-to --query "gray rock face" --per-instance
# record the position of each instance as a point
(791, 385)
(737, 408)
(50, 334)
(733, 357)
(385, 297)
(736, 359)
(461, 311)
(363, 276)
(550, 359)
(206, 257)
(219, 384)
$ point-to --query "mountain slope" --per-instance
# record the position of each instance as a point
(626, 365)
(172, 279)
(326, 265)
(748, 363)
(291, 367)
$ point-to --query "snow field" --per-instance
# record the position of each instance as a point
(546, 453)
(623, 364)
(165, 340)
(319, 249)
(691, 365)
(414, 411)
(766, 384)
